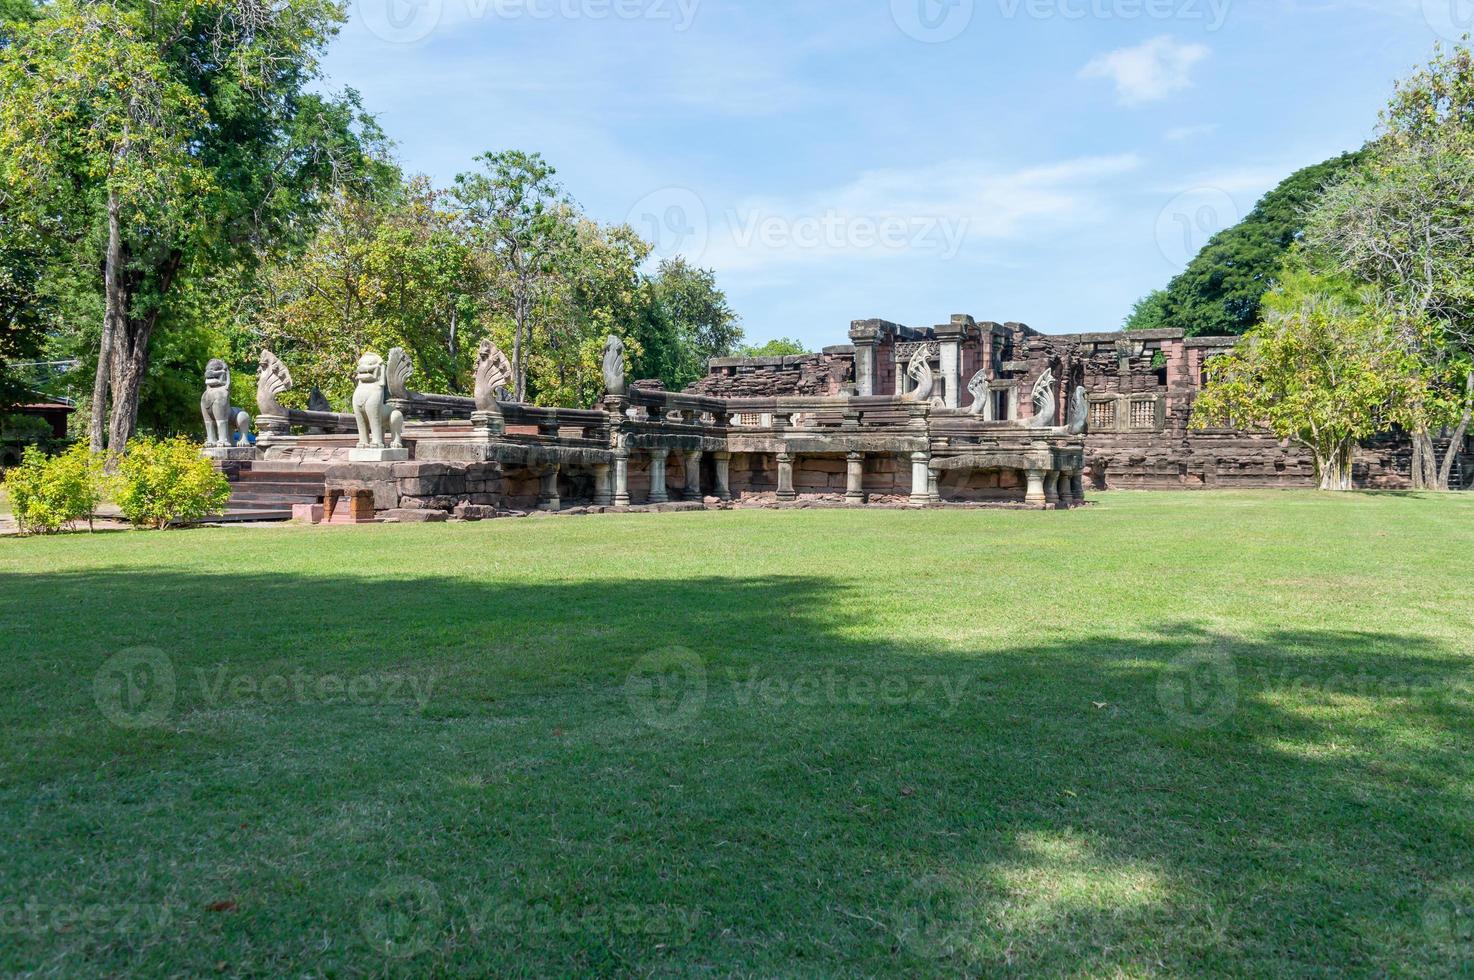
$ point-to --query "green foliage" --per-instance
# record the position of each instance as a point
(518, 222)
(195, 123)
(163, 482)
(50, 493)
(687, 322)
(1149, 313)
(1220, 290)
(1323, 375)
(777, 347)
(380, 272)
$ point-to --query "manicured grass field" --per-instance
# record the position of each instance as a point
(1169, 734)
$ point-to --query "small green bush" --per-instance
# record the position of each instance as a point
(49, 493)
(162, 482)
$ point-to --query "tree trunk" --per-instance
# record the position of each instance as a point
(1335, 467)
(1425, 461)
(130, 360)
(1456, 444)
(116, 309)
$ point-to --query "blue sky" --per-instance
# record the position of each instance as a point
(1047, 161)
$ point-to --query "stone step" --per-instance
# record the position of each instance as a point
(248, 515)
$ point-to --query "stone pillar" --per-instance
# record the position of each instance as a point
(951, 371)
(1077, 487)
(920, 479)
(693, 475)
(1035, 492)
(547, 498)
(622, 479)
(785, 477)
(864, 336)
(855, 478)
(603, 490)
(1051, 488)
(658, 494)
(722, 465)
(933, 491)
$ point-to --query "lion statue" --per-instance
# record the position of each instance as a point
(371, 409)
(224, 422)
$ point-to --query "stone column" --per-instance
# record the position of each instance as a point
(603, 490)
(951, 369)
(547, 498)
(864, 336)
(785, 477)
(622, 479)
(1051, 488)
(855, 478)
(933, 491)
(658, 494)
(920, 479)
(693, 475)
(949, 337)
(1077, 487)
(722, 464)
(1035, 492)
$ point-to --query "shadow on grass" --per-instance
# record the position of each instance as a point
(723, 774)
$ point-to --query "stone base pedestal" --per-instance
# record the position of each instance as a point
(378, 455)
(231, 454)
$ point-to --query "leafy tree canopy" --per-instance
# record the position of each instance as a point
(1220, 290)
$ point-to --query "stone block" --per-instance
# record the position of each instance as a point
(408, 516)
(307, 513)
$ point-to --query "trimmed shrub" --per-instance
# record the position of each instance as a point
(163, 482)
(49, 493)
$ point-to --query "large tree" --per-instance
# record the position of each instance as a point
(1403, 223)
(518, 221)
(1220, 290)
(177, 138)
(1324, 374)
(686, 322)
(381, 271)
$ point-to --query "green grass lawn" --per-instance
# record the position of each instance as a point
(1169, 734)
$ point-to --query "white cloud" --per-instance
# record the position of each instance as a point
(933, 212)
(1183, 133)
(1148, 72)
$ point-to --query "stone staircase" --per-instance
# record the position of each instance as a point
(266, 492)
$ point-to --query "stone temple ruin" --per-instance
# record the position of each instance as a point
(408, 455)
(965, 413)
